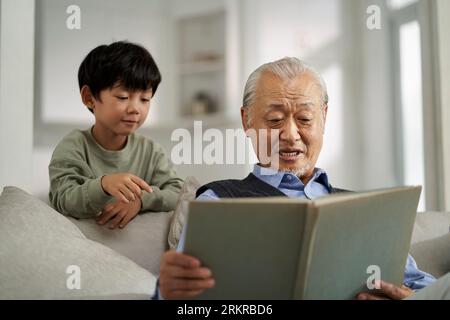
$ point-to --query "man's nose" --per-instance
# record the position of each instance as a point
(290, 131)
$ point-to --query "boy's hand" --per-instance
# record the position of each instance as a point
(124, 187)
(119, 213)
(387, 291)
(182, 277)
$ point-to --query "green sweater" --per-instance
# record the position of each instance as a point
(79, 162)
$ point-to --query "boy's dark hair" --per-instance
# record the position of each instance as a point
(124, 62)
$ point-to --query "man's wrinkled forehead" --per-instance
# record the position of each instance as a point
(301, 104)
(302, 90)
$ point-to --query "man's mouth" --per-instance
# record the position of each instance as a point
(290, 154)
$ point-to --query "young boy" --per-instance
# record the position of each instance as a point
(109, 169)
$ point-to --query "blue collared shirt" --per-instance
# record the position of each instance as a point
(286, 182)
(318, 186)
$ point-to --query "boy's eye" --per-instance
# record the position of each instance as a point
(122, 97)
(145, 100)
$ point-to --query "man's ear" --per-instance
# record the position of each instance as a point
(324, 115)
(87, 97)
(244, 118)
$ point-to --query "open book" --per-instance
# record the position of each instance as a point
(284, 248)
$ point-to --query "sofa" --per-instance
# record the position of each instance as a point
(45, 255)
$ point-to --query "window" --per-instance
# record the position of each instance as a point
(408, 95)
(399, 4)
(411, 106)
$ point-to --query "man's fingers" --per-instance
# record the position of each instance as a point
(180, 259)
(141, 183)
(181, 276)
(368, 296)
(184, 294)
(187, 284)
(387, 291)
(393, 291)
(187, 273)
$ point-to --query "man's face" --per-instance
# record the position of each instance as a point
(121, 111)
(293, 107)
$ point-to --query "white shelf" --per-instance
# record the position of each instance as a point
(201, 67)
(213, 120)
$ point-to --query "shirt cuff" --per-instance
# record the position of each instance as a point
(157, 295)
(96, 196)
(151, 201)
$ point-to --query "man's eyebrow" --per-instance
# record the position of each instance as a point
(307, 104)
(303, 104)
(276, 105)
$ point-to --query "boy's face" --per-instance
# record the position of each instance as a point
(121, 111)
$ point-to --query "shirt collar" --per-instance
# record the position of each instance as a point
(274, 177)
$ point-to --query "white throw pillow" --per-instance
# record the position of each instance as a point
(38, 246)
(187, 194)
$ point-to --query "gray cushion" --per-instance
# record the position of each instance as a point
(430, 225)
(37, 245)
(143, 240)
(433, 256)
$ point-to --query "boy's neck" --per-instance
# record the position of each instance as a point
(108, 140)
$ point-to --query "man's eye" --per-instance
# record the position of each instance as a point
(275, 120)
(304, 120)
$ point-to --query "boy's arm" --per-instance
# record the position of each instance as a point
(74, 190)
(165, 183)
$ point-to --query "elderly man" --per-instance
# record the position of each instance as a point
(291, 98)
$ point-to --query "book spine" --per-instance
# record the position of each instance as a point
(305, 253)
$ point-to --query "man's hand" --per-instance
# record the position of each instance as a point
(119, 213)
(182, 277)
(124, 187)
(387, 291)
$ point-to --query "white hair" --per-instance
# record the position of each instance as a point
(286, 68)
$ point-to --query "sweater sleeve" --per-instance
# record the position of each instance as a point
(165, 183)
(74, 189)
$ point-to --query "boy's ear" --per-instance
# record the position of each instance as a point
(87, 97)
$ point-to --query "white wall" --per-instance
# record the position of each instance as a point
(16, 94)
(59, 53)
(326, 35)
(330, 35)
(443, 83)
(377, 110)
(61, 50)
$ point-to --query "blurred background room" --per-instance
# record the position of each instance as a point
(386, 64)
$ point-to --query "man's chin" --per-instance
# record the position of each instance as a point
(298, 170)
